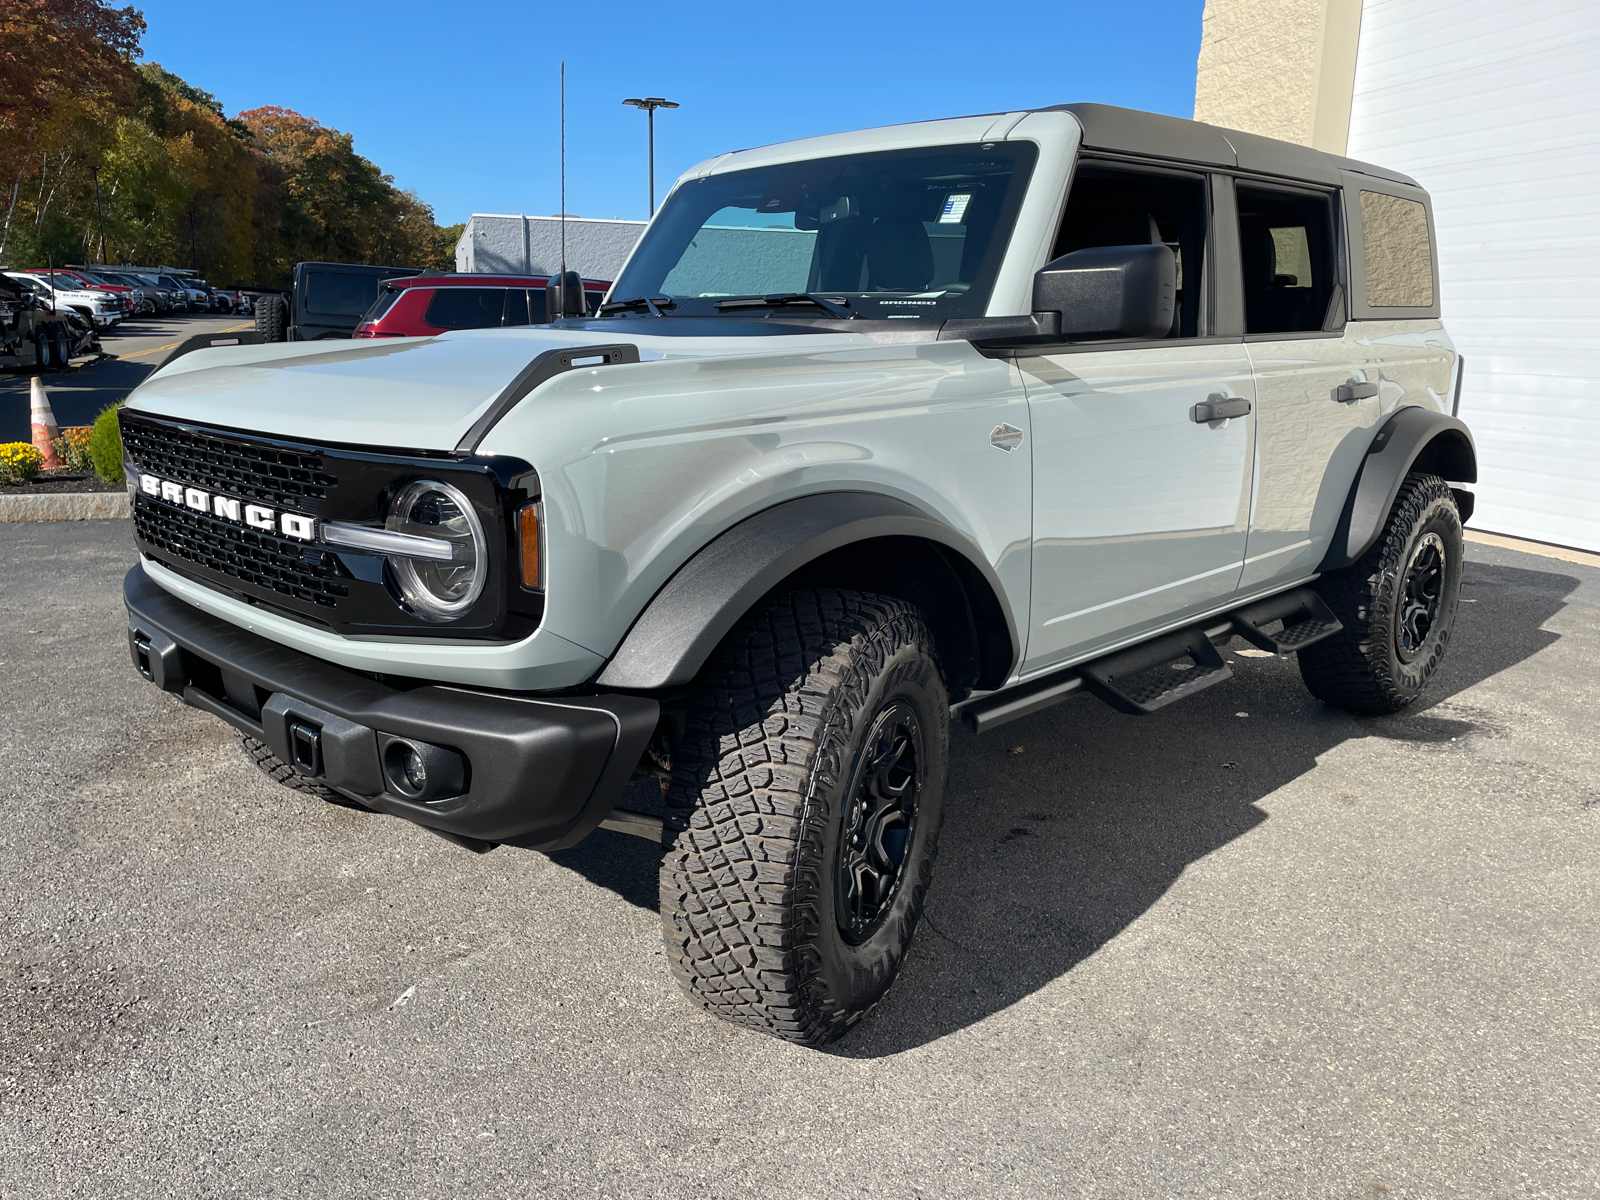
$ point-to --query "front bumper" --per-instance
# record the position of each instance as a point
(541, 772)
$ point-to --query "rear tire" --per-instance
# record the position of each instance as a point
(270, 322)
(45, 347)
(1397, 605)
(279, 771)
(804, 811)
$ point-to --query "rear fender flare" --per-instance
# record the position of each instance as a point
(688, 618)
(1413, 439)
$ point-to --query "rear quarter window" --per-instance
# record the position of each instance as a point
(1394, 237)
(382, 305)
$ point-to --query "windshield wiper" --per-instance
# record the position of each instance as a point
(835, 306)
(651, 304)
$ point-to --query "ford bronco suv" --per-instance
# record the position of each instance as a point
(878, 431)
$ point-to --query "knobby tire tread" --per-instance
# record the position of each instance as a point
(737, 914)
(279, 771)
(1353, 670)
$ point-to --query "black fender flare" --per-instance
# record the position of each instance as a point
(1414, 438)
(691, 614)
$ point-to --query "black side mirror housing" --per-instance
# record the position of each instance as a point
(1110, 292)
(563, 297)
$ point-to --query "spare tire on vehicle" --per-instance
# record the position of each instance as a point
(271, 319)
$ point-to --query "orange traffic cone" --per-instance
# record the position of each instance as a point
(45, 431)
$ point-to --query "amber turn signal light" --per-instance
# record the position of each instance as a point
(528, 531)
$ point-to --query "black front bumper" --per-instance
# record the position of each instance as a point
(541, 772)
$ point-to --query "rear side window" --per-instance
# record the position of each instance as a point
(383, 304)
(466, 308)
(1394, 241)
(1286, 247)
(339, 295)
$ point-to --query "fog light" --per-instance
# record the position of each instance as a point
(416, 770)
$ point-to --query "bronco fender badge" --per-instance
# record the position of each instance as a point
(1005, 437)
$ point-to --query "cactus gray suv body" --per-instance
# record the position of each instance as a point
(951, 420)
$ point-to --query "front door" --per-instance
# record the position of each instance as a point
(1140, 511)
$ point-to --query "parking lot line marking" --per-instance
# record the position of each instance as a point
(175, 345)
(153, 350)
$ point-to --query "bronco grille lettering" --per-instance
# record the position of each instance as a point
(256, 516)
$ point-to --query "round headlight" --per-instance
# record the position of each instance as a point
(439, 589)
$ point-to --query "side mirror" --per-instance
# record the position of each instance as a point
(563, 297)
(1110, 292)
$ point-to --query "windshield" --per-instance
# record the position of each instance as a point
(903, 235)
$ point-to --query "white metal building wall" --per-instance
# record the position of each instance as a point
(1494, 107)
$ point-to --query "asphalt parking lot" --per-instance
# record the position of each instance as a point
(132, 349)
(1248, 947)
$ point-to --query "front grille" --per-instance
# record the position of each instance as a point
(279, 476)
(251, 556)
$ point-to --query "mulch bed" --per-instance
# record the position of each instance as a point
(67, 479)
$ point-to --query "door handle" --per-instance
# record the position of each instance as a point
(1347, 393)
(1219, 408)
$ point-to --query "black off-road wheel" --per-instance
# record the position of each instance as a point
(803, 813)
(270, 319)
(279, 771)
(1397, 605)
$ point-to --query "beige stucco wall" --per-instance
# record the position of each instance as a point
(1281, 68)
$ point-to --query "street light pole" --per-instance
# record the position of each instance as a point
(650, 104)
(99, 215)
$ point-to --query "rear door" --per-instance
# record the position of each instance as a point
(1140, 512)
(1316, 408)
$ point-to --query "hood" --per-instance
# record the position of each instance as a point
(404, 393)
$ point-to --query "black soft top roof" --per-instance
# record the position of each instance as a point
(1106, 127)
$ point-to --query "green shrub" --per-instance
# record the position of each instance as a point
(19, 462)
(105, 445)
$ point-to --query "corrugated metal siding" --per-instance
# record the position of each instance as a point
(1495, 109)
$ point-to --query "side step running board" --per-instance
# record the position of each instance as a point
(1152, 675)
(1306, 619)
(1144, 678)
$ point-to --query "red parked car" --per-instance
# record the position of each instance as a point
(422, 305)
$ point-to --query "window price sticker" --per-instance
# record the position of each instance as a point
(955, 208)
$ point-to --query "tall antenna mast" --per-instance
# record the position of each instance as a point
(563, 186)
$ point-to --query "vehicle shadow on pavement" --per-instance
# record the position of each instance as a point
(1063, 828)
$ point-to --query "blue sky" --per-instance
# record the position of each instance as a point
(459, 102)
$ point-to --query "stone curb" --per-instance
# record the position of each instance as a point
(65, 506)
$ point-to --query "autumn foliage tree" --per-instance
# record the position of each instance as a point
(242, 199)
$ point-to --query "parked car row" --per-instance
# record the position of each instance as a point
(34, 335)
(62, 291)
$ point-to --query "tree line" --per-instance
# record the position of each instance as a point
(242, 199)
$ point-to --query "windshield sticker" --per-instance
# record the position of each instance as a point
(955, 208)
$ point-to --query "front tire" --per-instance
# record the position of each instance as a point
(1397, 605)
(804, 810)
